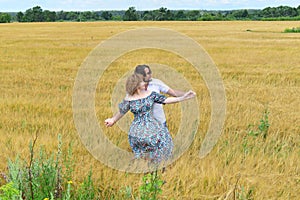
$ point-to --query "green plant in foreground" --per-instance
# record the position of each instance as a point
(49, 177)
(34, 179)
(87, 189)
(44, 177)
(68, 193)
(151, 186)
(9, 192)
(126, 192)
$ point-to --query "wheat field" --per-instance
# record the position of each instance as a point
(260, 68)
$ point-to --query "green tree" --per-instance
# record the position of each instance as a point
(38, 15)
(131, 15)
(85, 16)
(49, 16)
(72, 16)
(169, 15)
(269, 12)
(219, 16)
(61, 15)
(240, 14)
(5, 18)
(281, 11)
(88, 16)
(193, 15)
(180, 15)
(160, 14)
(286, 11)
(106, 15)
(28, 16)
(95, 16)
(207, 16)
(147, 15)
(20, 17)
(117, 18)
(34, 14)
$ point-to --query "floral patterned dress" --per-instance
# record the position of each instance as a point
(148, 138)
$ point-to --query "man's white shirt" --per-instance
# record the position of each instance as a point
(158, 86)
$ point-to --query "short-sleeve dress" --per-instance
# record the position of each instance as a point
(148, 138)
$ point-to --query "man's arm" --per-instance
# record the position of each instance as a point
(164, 88)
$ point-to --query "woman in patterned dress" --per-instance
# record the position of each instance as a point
(148, 138)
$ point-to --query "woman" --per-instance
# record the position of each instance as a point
(148, 138)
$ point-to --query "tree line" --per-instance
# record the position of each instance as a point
(37, 14)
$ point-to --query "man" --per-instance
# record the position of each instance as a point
(155, 85)
(158, 86)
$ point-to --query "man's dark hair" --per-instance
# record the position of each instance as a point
(140, 69)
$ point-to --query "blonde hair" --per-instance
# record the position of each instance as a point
(133, 83)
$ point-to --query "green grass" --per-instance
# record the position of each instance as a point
(292, 30)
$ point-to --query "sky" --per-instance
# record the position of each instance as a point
(96, 5)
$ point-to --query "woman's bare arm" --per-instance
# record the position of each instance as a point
(188, 95)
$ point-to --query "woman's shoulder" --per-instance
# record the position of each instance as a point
(134, 98)
(155, 94)
(127, 97)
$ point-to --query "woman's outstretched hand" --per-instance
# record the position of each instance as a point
(190, 94)
(109, 122)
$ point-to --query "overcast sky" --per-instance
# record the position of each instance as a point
(96, 5)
